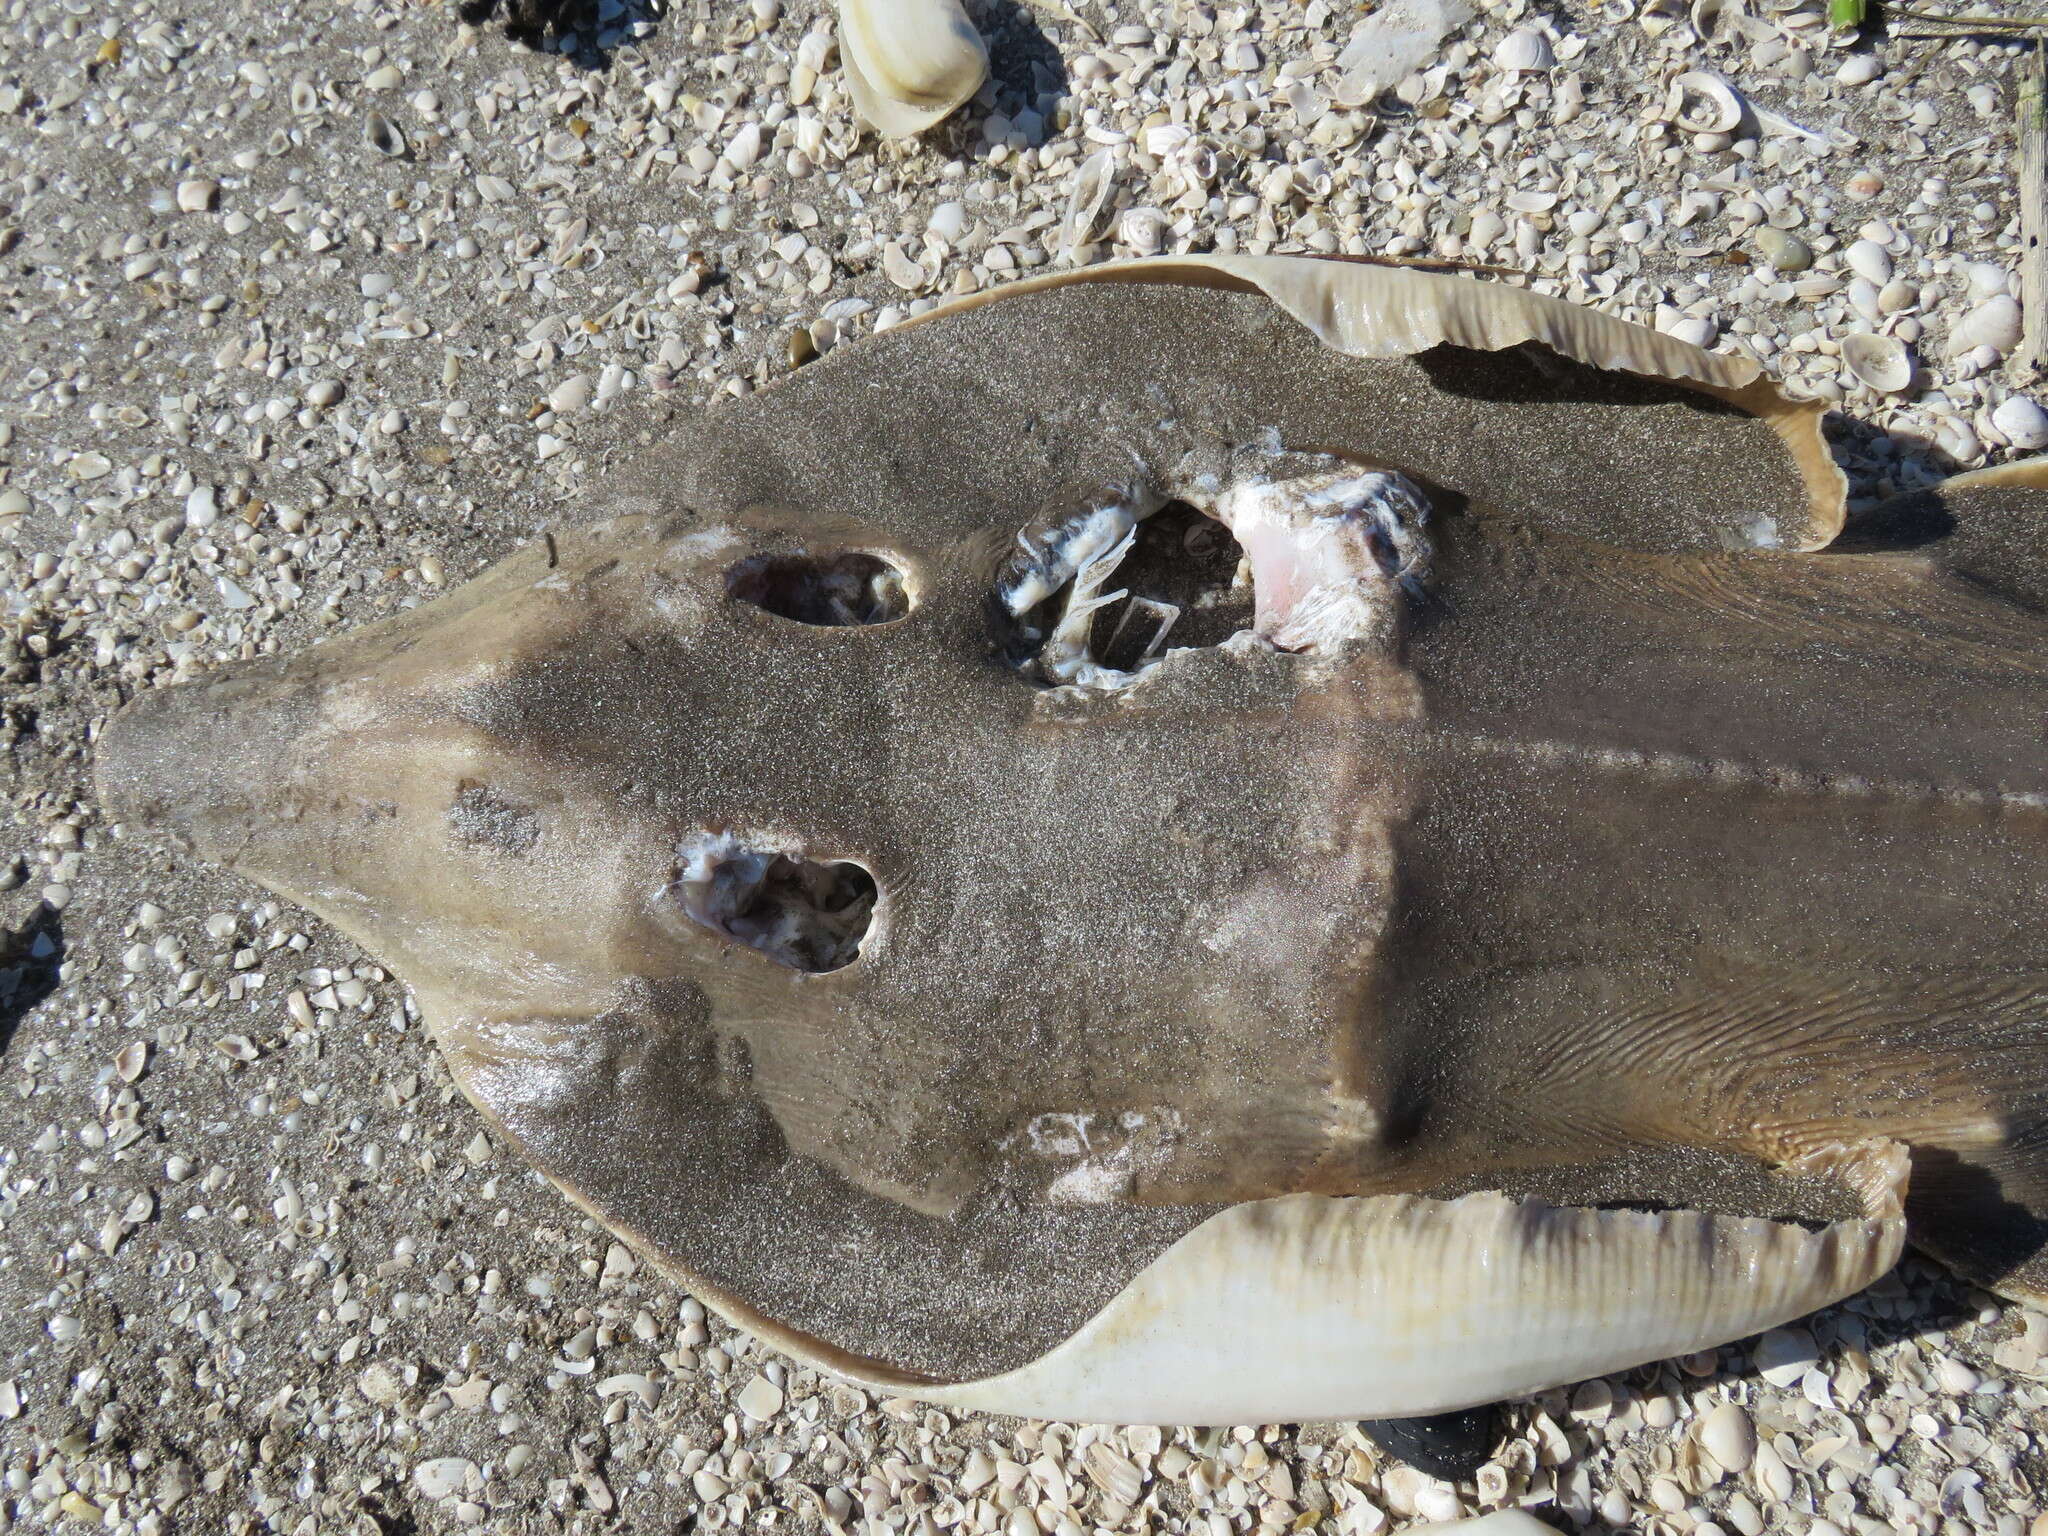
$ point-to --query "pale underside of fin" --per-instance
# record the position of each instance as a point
(1308, 1307)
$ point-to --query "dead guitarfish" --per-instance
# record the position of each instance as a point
(1220, 840)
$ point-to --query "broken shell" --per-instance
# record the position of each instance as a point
(1700, 101)
(1995, 323)
(131, 1059)
(909, 63)
(1395, 41)
(1094, 179)
(1524, 51)
(1882, 362)
(1657, 17)
(383, 135)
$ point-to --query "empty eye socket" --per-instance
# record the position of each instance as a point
(849, 588)
(807, 914)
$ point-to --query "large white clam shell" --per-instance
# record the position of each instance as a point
(1312, 1307)
(1524, 51)
(909, 63)
(1995, 323)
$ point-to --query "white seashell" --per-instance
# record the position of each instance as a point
(1567, 100)
(444, 1476)
(1143, 230)
(760, 1399)
(1955, 439)
(2021, 422)
(1783, 1355)
(1659, 16)
(1778, 125)
(1167, 139)
(1487, 227)
(1995, 323)
(1882, 362)
(909, 63)
(1729, 1437)
(131, 1059)
(1093, 180)
(899, 267)
(1700, 101)
(1695, 331)
(1871, 262)
(1859, 70)
(1694, 206)
(744, 147)
(1987, 279)
(1524, 51)
(571, 395)
(1896, 295)
(383, 135)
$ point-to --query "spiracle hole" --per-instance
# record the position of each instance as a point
(808, 914)
(850, 588)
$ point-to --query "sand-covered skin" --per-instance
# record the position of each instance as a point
(235, 424)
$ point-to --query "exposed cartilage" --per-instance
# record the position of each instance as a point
(1328, 551)
(1068, 656)
(1051, 553)
(1141, 612)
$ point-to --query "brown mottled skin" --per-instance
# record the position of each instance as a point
(1641, 862)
